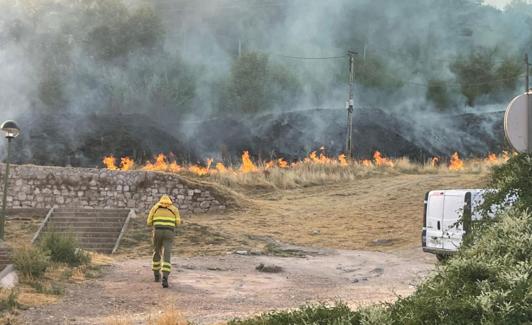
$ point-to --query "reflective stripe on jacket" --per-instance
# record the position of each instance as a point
(164, 217)
(164, 214)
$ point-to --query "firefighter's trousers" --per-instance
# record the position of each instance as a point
(162, 246)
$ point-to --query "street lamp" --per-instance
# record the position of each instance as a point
(11, 131)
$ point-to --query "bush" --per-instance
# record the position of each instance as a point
(488, 282)
(64, 248)
(31, 262)
(312, 314)
(8, 300)
(512, 178)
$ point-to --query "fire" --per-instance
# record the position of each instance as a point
(110, 162)
(247, 163)
(221, 168)
(366, 163)
(435, 161)
(456, 163)
(321, 159)
(342, 160)
(164, 164)
(382, 161)
(126, 163)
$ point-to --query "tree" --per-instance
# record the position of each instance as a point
(475, 74)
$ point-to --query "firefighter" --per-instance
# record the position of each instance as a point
(164, 218)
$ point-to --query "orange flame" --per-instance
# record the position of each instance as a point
(110, 162)
(342, 160)
(221, 168)
(366, 163)
(491, 158)
(381, 161)
(435, 161)
(282, 163)
(126, 163)
(247, 163)
(456, 163)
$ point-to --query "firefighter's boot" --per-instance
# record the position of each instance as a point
(165, 282)
(157, 276)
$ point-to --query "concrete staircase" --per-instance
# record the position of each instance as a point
(98, 230)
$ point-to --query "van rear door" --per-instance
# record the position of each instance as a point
(453, 208)
(434, 220)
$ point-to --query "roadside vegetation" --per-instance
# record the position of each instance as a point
(487, 282)
(44, 269)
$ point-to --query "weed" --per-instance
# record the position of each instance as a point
(64, 248)
(170, 316)
(31, 262)
(8, 300)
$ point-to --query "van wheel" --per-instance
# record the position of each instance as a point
(442, 257)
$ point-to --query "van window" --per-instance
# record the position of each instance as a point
(452, 211)
(434, 210)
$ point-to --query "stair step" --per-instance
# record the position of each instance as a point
(110, 241)
(89, 215)
(91, 211)
(81, 230)
(85, 224)
(95, 220)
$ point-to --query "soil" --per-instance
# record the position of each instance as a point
(365, 236)
(214, 289)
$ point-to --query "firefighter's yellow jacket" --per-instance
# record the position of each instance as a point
(164, 214)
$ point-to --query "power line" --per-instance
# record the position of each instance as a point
(309, 58)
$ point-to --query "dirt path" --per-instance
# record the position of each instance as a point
(213, 289)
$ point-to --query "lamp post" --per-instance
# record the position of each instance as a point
(11, 131)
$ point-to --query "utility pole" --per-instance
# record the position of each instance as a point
(349, 105)
(529, 103)
(527, 69)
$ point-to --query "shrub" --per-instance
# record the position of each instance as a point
(9, 300)
(512, 178)
(311, 314)
(487, 282)
(64, 248)
(30, 261)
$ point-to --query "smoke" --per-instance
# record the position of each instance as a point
(183, 62)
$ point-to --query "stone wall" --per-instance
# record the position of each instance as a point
(46, 187)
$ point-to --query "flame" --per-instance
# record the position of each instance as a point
(126, 164)
(247, 163)
(381, 161)
(342, 160)
(269, 165)
(491, 158)
(435, 161)
(221, 168)
(456, 163)
(366, 163)
(110, 162)
(164, 164)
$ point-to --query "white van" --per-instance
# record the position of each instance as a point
(443, 225)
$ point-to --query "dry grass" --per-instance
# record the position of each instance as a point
(307, 174)
(170, 316)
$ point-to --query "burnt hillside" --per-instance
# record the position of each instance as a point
(73, 140)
